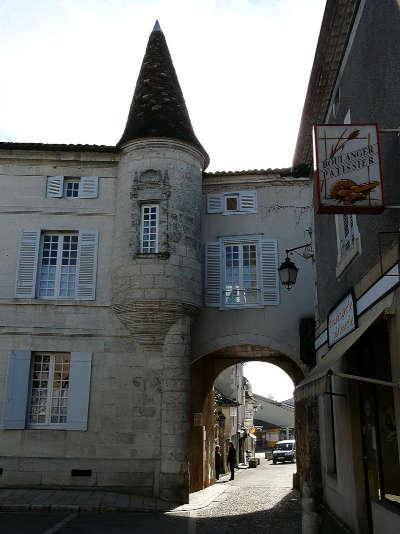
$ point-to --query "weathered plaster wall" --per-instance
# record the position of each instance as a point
(284, 213)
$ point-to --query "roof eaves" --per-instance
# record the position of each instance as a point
(5, 145)
(335, 30)
(282, 172)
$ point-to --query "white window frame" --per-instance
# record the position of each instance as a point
(348, 244)
(57, 284)
(48, 424)
(142, 209)
(240, 241)
(68, 180)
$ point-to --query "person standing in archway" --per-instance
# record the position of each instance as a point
(218, 462)
(232, 459)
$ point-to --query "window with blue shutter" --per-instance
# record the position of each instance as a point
(233, 202)
(17, 387)
(47, 390)
(72, 187)
(57, 265)
(242, 271)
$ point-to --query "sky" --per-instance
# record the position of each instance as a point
(69, 68)
(268, 379)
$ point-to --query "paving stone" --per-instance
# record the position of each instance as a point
(260, 501)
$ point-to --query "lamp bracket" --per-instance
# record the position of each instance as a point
(307, 251)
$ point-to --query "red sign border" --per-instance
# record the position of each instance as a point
(346, 209)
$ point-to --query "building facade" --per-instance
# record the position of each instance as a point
(129, 280)
(275, 421)
(353, 391)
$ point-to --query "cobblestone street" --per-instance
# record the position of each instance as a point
(259, 500)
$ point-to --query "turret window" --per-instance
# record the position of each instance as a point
(149, 229)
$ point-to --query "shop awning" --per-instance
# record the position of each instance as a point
(316, 382)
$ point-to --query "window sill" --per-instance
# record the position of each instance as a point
(241, 307)
(56, 302)
(147, 255)
(238, 213)
(47, 427)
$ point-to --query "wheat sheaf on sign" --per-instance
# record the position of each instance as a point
(347, 191)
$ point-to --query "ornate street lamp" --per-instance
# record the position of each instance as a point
(288, 269)
(288, 273)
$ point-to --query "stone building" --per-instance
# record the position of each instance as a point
(129, 280)
(276, 420)
(351, 399)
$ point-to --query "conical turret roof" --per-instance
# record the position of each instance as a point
(158, 108)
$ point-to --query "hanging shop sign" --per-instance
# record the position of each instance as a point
(342, 319)
(347, 168)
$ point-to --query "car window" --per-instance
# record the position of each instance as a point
(284, 446)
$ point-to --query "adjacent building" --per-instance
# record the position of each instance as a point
(274, 421)
(350, 401)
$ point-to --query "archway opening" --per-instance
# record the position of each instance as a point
(213, 419)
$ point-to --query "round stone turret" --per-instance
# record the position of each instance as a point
(152, 290)
(160, 170)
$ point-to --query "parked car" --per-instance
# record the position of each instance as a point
(284, 451)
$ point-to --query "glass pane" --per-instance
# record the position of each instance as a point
(71, 188)
(241, 274)
(47, 265)
(59, 400)
(149, 229)
(39, 381)
(68, 265)
(232, 275)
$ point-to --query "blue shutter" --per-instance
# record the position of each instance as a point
(89, 187)
(213, 274)
(86, 265)
(27, 264)
(248, 201)
(17, 387)
(270, 275)
(55, 186)
(215, 203)
(79, 390)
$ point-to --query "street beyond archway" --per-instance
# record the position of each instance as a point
(258, 500)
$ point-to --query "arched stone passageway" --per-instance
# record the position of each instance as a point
(204, 371)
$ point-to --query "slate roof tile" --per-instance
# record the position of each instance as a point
(158, 108)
